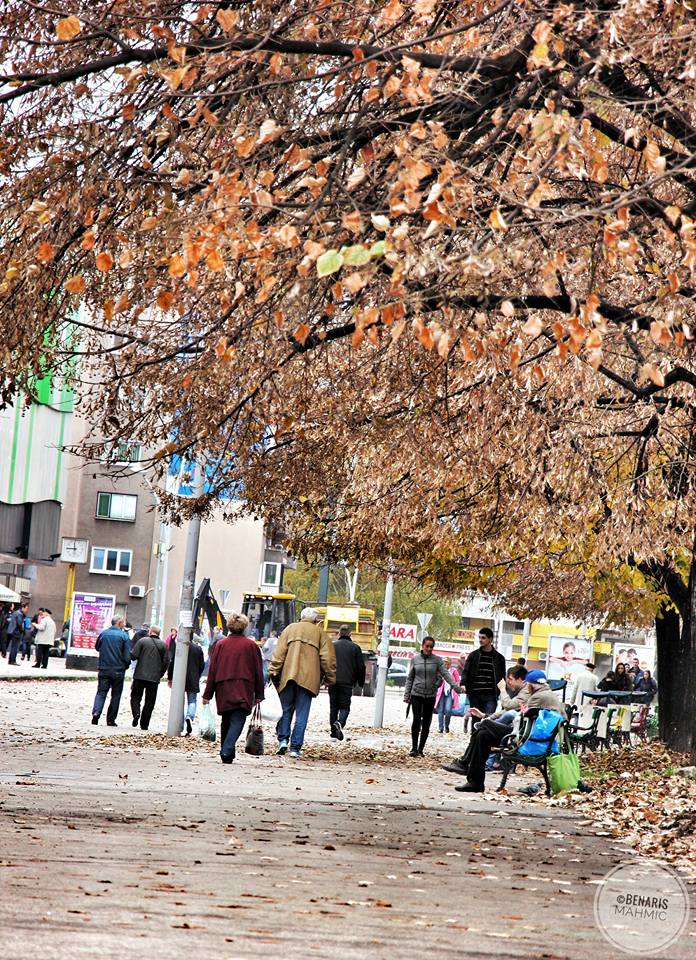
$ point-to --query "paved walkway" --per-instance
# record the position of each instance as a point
(147, 848)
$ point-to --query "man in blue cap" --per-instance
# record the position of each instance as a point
(535, 695)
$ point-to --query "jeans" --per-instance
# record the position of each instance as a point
(106, 682)
(486, 703)
(340, 696)
(190, 708)
(26, 647)
(295, 701)
(14, 648)
(231, 726)
(149, 688)
(422, 708)
(444, 712)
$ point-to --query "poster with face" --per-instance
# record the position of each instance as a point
(91, 613)
(634, 655)
(567, 657)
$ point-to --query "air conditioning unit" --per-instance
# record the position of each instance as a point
(542, 655)
(136, 591)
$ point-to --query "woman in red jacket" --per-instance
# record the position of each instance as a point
(235, 676)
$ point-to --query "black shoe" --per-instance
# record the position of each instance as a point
(35, 666)
(337, 731)
(189, 727)
(413, 753)
(95, 719)
(226, 759)
(470, 788)
(419, 753)
(136, 719)
(456, 767)
(111, 723)
(142, 727)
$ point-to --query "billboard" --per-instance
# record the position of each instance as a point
(403, 632)
(628, 653)
(567, 657)
(90, 613)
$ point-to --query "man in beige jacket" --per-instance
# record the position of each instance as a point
(303, 653)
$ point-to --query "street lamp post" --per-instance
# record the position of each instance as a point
(185, 635)
(383, 659)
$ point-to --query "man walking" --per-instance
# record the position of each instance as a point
(302, 654)
(15, 631)
(585, 682)
(350, 672)
(45, 638)
(152, 656)
(113, 646)
(194, 670)
(483, 671)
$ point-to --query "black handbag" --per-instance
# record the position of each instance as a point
(254, 737)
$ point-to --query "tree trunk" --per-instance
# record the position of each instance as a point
(676, 671)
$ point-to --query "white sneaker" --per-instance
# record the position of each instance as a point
(295, 754)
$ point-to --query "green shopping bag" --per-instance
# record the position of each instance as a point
(564, 772)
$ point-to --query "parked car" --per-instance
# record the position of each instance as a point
(397, 674)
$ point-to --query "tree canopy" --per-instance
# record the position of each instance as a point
(418, 276)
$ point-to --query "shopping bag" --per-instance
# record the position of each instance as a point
(546, 723)
(564, 772)
(254, 737)
(271, 707)
(206, 724)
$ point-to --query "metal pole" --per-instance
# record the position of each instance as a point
(383, 659)
(188, 591)
(525, 638)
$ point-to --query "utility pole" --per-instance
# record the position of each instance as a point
(383, 659)
(188, 592)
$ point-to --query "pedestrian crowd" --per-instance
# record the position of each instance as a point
(19, 633)
(238, 669)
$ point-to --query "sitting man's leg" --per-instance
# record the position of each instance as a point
(489, 734)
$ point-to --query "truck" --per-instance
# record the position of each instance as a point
(363, 627)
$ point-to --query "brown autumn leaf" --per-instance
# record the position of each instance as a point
(75, 284)
(45, 253)
(68, 28)
(104, 261)
(177, 266)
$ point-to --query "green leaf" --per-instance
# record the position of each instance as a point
(329, 262)
(378, 249)
(356, 256)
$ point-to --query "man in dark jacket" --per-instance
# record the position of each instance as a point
(483, 671)
(194, 669)
(153, 657)
(113, 646)
(15, 632)
(350, 672)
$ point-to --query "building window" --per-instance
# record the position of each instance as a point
(123, 451)
(111, 560)
(465, 623)
(513, 626)
(270, 575)
(116, 506)
(224, 599)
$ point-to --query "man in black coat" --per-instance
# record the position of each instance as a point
(483, 671)
(350, 672)
(153, 658)
(194, 669)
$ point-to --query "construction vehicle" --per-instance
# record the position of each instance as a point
(363, 628)
(270, 611)
(205, 605)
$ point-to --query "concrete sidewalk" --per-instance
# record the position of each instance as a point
(55, 671)
(150, 848)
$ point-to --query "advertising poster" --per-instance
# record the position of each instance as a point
(632, 654)
(567, 657)
(89, 615)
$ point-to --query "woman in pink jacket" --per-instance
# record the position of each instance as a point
(447, 699)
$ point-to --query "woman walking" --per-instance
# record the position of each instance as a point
(646, 684)
(421, 687)
(235, 676)
(447, 699)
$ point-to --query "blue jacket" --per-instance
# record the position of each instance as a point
(15, 624)
(114, 650)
